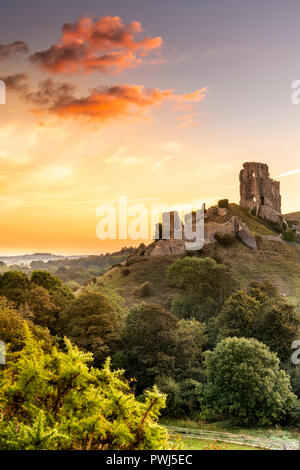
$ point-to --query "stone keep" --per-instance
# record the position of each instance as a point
(258, 190)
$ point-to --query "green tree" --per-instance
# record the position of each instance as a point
(239, 316)
(93, 324)
(191, 339)
(13, 328)
(263, 314)
(203, 278)
(244, 382)
(150, 342)
(278, 327)
(14, 285)
(158, 347)
(43, 309)
(56, 400)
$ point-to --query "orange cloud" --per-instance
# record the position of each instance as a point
(104, 45)
(103, 103)
(119, 101)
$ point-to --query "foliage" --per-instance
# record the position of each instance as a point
(289, 236)
(93, 324)
(239, 315)
(244, 382)
(56, 400)
(262, 314)
(202, 277)
(14, 285)
(223, 203)
(158, 348)
(81, 270)
(186, 306)
(149, 344)
(13, 328)
(53, 285)
(144, 290)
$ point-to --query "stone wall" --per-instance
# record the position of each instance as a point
(257, 189)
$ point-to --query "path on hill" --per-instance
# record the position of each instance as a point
(254, 441)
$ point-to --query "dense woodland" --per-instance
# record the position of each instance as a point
(218, 352)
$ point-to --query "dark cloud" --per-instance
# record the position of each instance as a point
(16, 82)
(51, 94)
(13, 49)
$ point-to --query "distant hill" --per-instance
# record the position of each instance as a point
(274, 260)
(27, 259)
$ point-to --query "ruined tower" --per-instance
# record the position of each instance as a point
(258, 191)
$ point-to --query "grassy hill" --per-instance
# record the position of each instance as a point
(294, 216)
(276, 261)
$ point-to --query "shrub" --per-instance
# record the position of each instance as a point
(244, 382)
(56, 400)
(202, 277)
(223, 204)
(289, 236)
(253, 211)
(144, 290)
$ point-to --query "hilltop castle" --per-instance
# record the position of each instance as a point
(260, 195)
(259, 192)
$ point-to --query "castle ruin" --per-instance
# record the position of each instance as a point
(259, 192)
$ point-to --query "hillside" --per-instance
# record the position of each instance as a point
(276, 261)
(294, 216)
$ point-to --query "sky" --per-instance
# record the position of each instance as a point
(152, 100)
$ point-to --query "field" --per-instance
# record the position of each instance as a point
(203, 444)
(223, 434)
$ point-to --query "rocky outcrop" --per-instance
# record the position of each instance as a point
(222, 211)
(234, 227)
(244, 234)
(167, 248)
(212, 228)
(269, 214)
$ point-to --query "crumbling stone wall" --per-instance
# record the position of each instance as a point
(257, 189)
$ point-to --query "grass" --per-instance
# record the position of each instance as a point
(255, 224)
(277, 433)
(142, 269)
(203, 444)
(275, 261)
(294, 216)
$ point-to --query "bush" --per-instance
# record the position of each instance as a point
(289, 236)
(244, 382)
(253, 211)
(56, 401)
(203, 278)
(144, 290)
(224, 239)
(223, 204)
